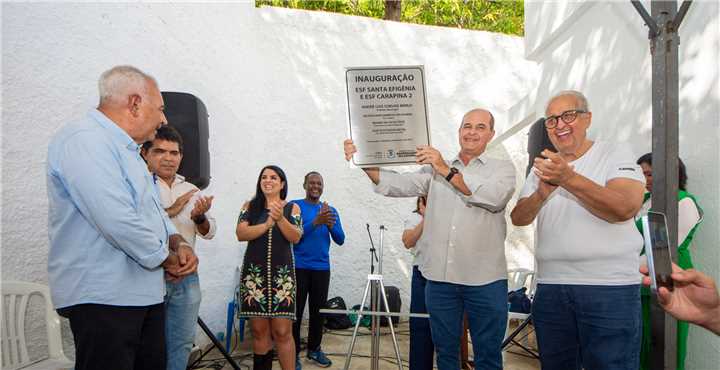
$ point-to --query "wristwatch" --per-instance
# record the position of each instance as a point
(199, 220)
(453, 172)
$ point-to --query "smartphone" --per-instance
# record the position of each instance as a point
(657, 249)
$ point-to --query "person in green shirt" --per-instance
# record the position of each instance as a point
(689, 218)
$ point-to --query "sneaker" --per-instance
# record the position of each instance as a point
(319, 358)
(298, 364)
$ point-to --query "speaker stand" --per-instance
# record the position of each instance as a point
(216, 344)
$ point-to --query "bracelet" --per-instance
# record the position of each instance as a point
(199, 220)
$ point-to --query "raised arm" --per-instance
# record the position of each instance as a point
(491, 193)
(412, 235)
(291, 229)
(393, 184)
(336, 231)
(616, 201)
(619, 200)
(528, 207)
(373, 173)
(431, 156)
(494, 192)
(246, 232)
(204, 223)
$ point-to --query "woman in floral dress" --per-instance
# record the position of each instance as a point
(267, 286)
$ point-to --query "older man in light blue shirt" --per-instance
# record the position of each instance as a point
(111, 242)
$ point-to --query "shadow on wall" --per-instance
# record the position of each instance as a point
(595, 52)
(597, 55)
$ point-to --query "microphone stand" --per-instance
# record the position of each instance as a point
(373, 255)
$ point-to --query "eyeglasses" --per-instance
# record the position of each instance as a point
(568, 116)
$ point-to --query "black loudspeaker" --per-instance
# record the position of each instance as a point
(187, 113)
(538, 140)
(393, 297)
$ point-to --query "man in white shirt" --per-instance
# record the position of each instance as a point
(188, 210)
(586, 309)
(463, 238)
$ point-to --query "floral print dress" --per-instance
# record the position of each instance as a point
(267, 281)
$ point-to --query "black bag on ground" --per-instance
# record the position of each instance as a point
(393, 297)
(519, 301)
(336, 321)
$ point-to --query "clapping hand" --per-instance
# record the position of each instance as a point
(202, 205)
(180, 203)
(276, 210)
(329, 215)
(553, 168)
(325, 216)
(545, 189)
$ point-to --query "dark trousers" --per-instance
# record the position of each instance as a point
(486, 308)
(117, 337)
(421, 344)
(587, 326)
(313, 283)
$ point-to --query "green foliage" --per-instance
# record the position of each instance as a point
(487, 15)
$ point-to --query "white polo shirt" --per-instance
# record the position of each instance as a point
(573, 246)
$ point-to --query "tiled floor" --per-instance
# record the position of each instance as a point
(336, 343)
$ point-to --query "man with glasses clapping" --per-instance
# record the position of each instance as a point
(587, 304)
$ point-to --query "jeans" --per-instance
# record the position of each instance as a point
(486, 307)
(590, 326)
(117, 337)
(182, 303)
(313, 283)
(421, 343)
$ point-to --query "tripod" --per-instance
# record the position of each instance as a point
(374, 284)
(511, 338)
(216, 343)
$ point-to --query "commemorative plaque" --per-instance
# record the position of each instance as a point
(387, 114)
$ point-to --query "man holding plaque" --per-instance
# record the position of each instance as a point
(463, 242)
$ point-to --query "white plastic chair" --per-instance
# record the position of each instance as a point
(16, 295)
(518, 278)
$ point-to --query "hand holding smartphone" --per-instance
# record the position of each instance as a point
(657, 249)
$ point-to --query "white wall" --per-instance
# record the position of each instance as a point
(601, 48)
(272, 80)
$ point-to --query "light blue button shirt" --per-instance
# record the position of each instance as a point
(108, 231)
